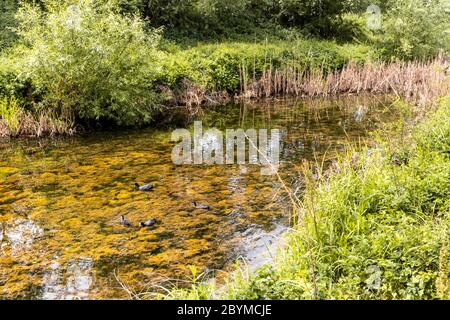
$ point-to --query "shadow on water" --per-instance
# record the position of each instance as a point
(61, 199)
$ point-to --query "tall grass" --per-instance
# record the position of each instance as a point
(16, 121)
(10, 116)
(417, 82)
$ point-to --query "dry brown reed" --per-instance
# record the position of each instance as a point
(192, 95)
(36, 125)
(416, 82)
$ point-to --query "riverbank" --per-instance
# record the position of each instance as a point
(191, 77)
(375, 225)
(68, 65)
(213, 75)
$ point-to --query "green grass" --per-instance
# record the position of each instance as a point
(376, 226)
(10, 114)
(217, 66)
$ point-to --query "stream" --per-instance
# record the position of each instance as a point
(61, 199)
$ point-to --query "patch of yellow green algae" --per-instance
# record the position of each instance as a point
(76, 195)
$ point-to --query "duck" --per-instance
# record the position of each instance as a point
(124, 221)
(146, 187)
(200, 206)
(148, 223)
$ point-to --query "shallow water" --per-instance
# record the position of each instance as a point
(61, 199)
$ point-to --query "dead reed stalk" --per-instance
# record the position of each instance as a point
(35, 125)
(416, 82)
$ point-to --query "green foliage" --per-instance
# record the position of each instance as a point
(313, 15)
(10, 114)
(435, 133)
(218, 66)
(89, 61)
(217, 19)
(10, 82)
(415, 29)
(7, 22)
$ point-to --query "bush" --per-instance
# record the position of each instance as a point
(89, 61)
(11, 84)
(217, 19)
(415, 29)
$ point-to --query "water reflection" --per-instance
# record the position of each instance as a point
(20, 234)
(258, 246)
(60, 200)
(72, 283)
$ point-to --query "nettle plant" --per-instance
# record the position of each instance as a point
(89, 61)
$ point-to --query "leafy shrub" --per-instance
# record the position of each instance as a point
(415, 29)
(211, 19)
(11, 84)
(89, 61)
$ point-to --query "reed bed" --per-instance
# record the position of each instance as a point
(416, 82)
(193, 95)
(25, 123)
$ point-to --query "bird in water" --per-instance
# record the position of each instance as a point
(148, 223)
(124, 221)
(145, 187)
(200, 206)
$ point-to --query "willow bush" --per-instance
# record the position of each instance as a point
(415, 29)
(89, 61)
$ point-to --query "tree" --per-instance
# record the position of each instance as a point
(416, 28)
(89, 61)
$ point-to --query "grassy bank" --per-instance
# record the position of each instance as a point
(373, 226)
(203, 75)
(111, 62)
(208, 74)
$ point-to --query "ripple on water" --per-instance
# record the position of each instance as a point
(20, 234)
(257, 246)
(70, 281)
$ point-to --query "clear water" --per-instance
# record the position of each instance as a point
(61, 199)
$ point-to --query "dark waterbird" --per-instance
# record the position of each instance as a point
(124, 221)
(200, 206)
(148, 223)
(145, 187)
